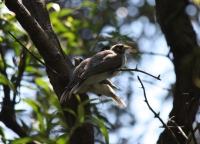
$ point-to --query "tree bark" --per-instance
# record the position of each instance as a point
(181, 38)
(35, 20)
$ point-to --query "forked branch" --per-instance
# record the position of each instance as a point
(157, 115)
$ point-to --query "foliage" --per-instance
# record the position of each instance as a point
(82, 28)
(47, 121)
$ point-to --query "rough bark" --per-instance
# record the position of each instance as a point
(35, 20)
(181, 38)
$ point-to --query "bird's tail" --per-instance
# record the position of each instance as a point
(118, 101)
(65, 96)
(68, 93)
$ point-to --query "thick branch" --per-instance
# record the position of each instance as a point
(181, 38)
(36, 22)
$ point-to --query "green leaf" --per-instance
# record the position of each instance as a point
(2, 135)
(36, 107)
(70, 111)
(20, 110)
(22, 140)
(102, 127)
(41, 83)
(32, 69)
(31, 139)
(81, 113)
(65, 12)
(4, 80)
(197, 2)
(63, 139)
(25, 127)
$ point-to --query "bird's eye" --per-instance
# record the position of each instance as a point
(118, 48)
(121, 47)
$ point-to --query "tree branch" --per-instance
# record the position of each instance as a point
(181, 38)
(157, 115)
(137, 70)
(35, 20)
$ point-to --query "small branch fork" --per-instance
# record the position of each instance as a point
(157, 115)
(179, 127)
(138, 70)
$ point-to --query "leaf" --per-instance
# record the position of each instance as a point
(70, 111)
(25, 127)
(63, 139)
(65, 12)
(81, 113)
(4, 80)
(36, 107)
(81, 110)
(41, 83)
(31, 139)
(32, 69)
(20, 110)
(102, 127)
(197, 2)
(22, 140)
(2, 135)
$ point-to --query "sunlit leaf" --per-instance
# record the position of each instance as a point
(197, 2)
(63, 139)
(41, 83)
(65, 12)
(34, 70)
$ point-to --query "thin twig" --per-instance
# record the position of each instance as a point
(45, 65)
(172, 127)
(137, 70)
(21, 69)
(157, 115)
(151, 53)
(179, 128)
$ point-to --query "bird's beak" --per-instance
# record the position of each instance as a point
(127, 47)
(76, 59)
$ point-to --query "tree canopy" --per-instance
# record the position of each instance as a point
(38, 40)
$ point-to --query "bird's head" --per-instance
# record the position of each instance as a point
(105, 48)
(77, 61)
(120, 48)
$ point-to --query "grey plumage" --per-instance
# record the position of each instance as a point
(96, 69)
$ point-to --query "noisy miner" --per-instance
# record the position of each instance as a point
(102, 88)
(95, 69)
(77, 61)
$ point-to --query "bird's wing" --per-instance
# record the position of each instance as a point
(102, 64)
(99, 65)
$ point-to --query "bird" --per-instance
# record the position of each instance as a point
(77, 61)
(95, 69)
(102, 88)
